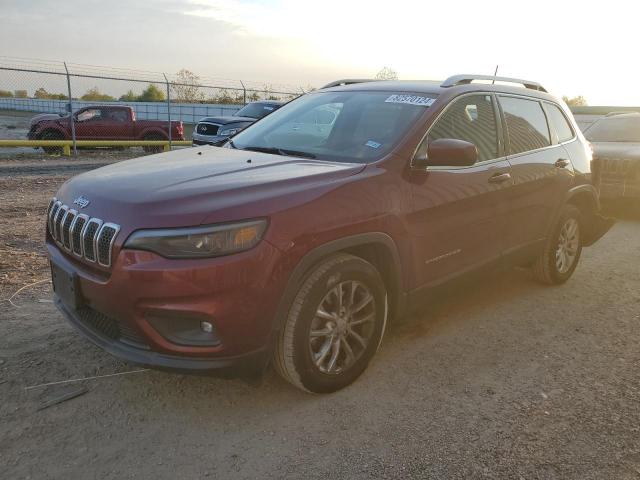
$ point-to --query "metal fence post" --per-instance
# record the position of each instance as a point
(244, 93)
(73, 124)
(168, 107)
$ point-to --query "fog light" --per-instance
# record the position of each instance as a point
(206, 327)
(185, 328)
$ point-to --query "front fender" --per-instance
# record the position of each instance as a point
(345, 244)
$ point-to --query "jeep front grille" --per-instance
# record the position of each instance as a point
(77, 233)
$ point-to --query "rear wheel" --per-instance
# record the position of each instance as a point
(334, 326)
(558, 261)
(52, 135)
(154, 148)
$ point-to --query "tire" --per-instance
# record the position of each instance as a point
(561, 254)
(51, 135)
(153, 137)
(333, 357)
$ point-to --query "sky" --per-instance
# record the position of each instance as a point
(576, 48)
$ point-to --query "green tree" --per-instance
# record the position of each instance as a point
(95, 95)
(5, 94)
(43, 94)
(186, 88)
(129, 97)
(578, 101)
(152, 94)
(269, 94)
(224, 97)
(387, 73)
(21, 94)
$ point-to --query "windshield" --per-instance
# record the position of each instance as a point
(256, 110)
(338, 126)
(622, 129)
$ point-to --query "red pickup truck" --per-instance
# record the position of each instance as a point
(102, 122)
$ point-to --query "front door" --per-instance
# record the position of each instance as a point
(86, 121)
(458, 216)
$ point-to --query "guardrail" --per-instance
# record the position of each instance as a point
(67, 144)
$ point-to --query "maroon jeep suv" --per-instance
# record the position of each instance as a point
(305, 235)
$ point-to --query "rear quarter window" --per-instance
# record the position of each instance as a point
(559, 122)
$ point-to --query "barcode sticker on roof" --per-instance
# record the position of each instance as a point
(411, 100)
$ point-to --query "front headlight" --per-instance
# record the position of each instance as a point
(199, 242)
(227, 132)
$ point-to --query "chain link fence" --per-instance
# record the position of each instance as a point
(46, 100)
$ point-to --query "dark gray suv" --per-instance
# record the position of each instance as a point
(217, 130)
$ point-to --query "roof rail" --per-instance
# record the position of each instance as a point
(466, 78)
(348, 81)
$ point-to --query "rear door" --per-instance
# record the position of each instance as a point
(541, 171)
(458, 216)
(115, 124)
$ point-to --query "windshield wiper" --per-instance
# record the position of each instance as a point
(280, 151)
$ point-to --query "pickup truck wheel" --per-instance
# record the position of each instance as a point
(334, 325)
(52, 135)
(558, 261)
(153, 149)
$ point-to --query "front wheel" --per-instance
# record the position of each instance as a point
(558, 261)
(334, 326)
(52, 135)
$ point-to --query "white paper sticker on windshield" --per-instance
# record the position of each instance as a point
(411, 100)
(373, 144)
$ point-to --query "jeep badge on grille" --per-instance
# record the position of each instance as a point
(81, 201)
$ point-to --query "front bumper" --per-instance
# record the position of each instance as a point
(119, 309)
(249, 364)
(617, 177)
(215, 140)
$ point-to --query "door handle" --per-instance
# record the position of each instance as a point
(499, 178)
(562, 163)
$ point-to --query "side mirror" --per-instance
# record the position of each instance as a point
(448, 152)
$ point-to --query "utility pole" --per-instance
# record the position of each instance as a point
(71, 119)
(168, 107)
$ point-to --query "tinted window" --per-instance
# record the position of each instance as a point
(527, 127)
(559, 122)
(615, 129)
(471, 118)
(115, 115)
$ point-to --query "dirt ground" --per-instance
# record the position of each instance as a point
(501, 379)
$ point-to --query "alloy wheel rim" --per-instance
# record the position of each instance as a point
(568, 243)
(342, 327)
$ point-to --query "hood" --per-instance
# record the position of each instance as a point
(46, 116)
(201, 185)
(616, 150)
(225, 120)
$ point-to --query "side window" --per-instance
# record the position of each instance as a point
(559, 122)
(470, 118)
(87, 115)
(527, 127)
(115, 115)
